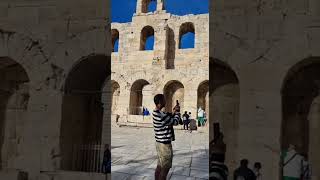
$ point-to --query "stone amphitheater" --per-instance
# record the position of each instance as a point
(139, 74)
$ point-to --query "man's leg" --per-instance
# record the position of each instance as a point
(164, 173)
(157, 173)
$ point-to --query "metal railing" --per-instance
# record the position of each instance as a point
(88, 157)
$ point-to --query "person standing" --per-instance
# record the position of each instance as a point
(200, 116)
(257, 168)
(243, 172)
(163, 123)
(106, 164)
(185, 118)
(291, 164)
(306, 169)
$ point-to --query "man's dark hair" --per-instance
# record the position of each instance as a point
(158, 98)
(257, 165)
(244, 162)
(185, 112)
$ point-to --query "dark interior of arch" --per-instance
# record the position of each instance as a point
(299, 90)
(136, 96)
(220, 74)
(115, 40)
(13, 93)
(84, 111)
(146, 33)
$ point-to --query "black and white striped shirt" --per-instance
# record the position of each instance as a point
(162, 123)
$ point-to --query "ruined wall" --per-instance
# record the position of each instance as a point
(47, 38)
(190, 66)
(261, 41)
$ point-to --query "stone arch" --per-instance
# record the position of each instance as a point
(300, 110)
(224, 106)
(115, 40)
(203, 97)
(136, 97)
(83, 111)
(185, 28)
(146, 33)
(115, 95)
(14, 97)
(145, 6)
(173, 91)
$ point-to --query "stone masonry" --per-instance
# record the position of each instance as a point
(54, 63)
(264, 79)
(138, 75)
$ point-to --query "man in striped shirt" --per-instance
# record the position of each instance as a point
(162, 123)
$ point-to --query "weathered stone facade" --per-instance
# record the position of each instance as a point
(180, 74)
(266, 54)
(54, 58)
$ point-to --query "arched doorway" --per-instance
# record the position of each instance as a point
(136, 97)
(187, 36)
(173, 91)
(115, 96)
(82, 114)
(224, 107)
(14, 96)
(147, 38)
(203, 97)
(300, 110)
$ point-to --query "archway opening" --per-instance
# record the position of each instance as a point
(83, 115)
(136, 97)
(14, 97)
(224, 107)
(174, 91)
(115, 40)
(203, 97)
(147, 38)
(187, 36)
(149, 6)
(301, 110)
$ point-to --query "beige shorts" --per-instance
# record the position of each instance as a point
(165, 154)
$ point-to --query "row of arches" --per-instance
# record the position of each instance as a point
(84, 109)
(147, 38)
(173, 91)
(300, 108)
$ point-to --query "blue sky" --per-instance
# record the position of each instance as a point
(122, 10)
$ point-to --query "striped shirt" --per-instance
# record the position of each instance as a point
(162, 123)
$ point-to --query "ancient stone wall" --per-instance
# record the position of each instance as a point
(262, 42)
(47, 39)
(180, 80)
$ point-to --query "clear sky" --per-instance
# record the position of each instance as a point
(122, 10)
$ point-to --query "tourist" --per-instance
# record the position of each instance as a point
(192, 123)
(256, 168)
(106, 164)
(185, 118)
(243, 172)
(306, 169)
(291, 164)
(162, 123)
(200, 116)
(218, 170)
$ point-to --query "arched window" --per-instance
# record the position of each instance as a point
(147, 38)
(149, 6)
(115, 40)
(187, 36)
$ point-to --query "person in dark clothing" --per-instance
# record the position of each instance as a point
(243, 172)
(106, 164)
(185, 118)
